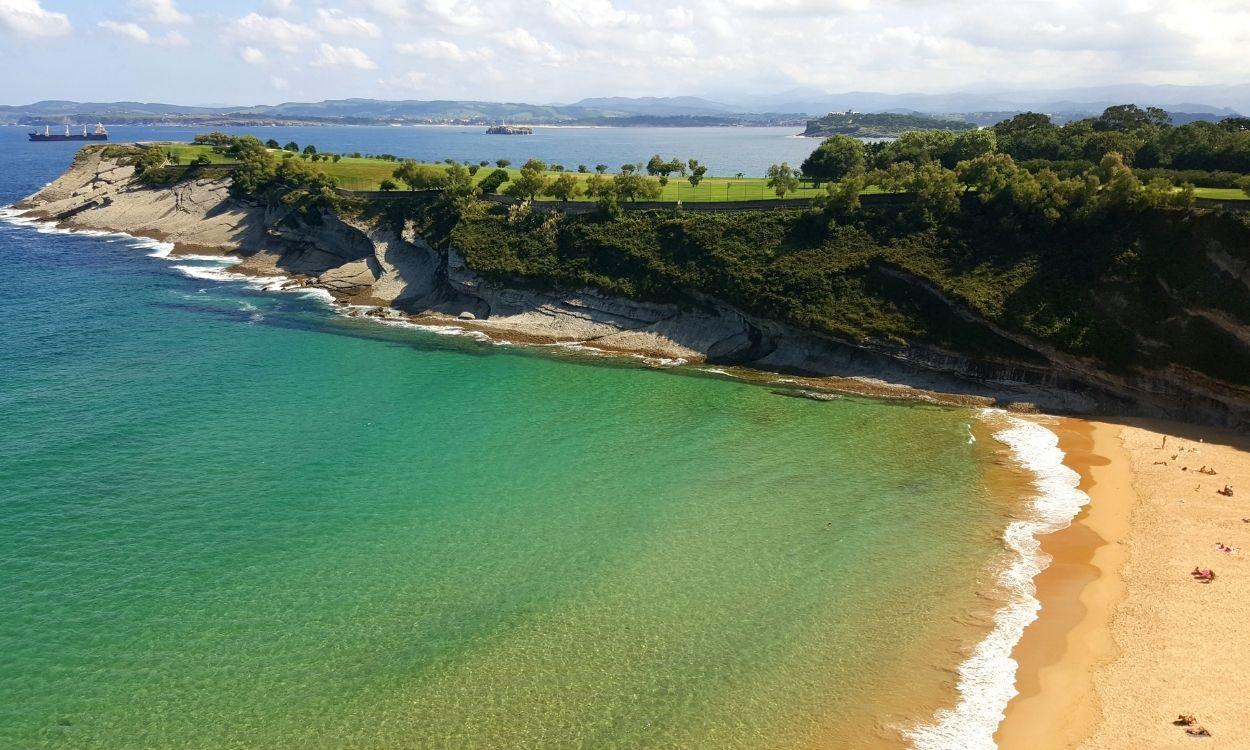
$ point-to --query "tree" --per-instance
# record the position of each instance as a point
(530, 183)
(782, 179)
(740, 175)
(564, 187)
(917, 147)
(601, 168)
(835, 158)
(697, 171)
(256, 166)
(937, 191)
(656, 166)
(292, 146)
(483, 163)
(337, 157)
(502, 163)
(271, 143)
(1125, 117)
(457, 181)
(844, 194)
(970, 145)
(387, 186)
(583, 168)
(473, 170)
(1244, 184)
(627, 168)
(310, 149)
(631, 186)
(1235, 124)
(420, 176)
(597, 186)
(201, 160)
(491, 182)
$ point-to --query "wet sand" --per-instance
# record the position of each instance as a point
(1126, 639)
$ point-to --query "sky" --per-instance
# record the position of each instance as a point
(243, 52)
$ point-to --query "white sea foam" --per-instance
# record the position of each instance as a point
(987, 678)
(159, 249)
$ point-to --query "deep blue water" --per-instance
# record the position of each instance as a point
(726, 151)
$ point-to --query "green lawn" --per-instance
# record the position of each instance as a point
(186, 152)
(367, 174)
(1227, 194)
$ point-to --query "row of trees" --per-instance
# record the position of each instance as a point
(533, 181)
(1143, 138)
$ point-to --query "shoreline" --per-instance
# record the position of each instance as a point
(1127, 640)
(1078, 593)
(277, 280)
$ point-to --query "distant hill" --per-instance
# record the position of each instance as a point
(654, 106)
(791, 107)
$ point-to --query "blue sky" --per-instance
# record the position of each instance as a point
(267, 51)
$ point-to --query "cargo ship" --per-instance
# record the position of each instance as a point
(98, 134)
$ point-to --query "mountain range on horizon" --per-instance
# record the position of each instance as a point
(1202, 102)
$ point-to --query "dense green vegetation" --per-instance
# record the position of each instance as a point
(1098, 265)
(879, 125)
(1097, 285)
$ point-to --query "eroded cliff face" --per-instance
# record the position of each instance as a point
(362, 263)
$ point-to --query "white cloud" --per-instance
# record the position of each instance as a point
(28, 18)
(278, 83)
(131, 31)
(266, 31)
(456, 14)
(160, 11)
(527, 45)
(330, 56)
(396, 10)
(252, 56)
(281, 6)
(441, 49)
(334, 21)
(174, 39)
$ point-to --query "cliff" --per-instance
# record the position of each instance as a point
(465, 276)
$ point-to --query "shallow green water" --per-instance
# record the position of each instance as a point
(234, 519)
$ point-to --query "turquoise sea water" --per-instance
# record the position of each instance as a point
(233, 518)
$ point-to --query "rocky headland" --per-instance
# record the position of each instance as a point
(373, 263)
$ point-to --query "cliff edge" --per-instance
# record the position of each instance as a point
(362, 259)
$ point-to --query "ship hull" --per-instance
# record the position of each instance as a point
(71, 137)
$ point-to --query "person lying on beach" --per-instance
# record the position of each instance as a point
(1205, 470)
(1198, 732)
(1222, 547)
(1203, 575)
(1185, 720)
(1226, 492)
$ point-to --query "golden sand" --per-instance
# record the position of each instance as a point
(1127, 640)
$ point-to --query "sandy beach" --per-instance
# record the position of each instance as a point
(1127, 640)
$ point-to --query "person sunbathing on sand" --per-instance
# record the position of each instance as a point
(1204, 575)
(1222, 547)
(1226, 492)
(1205, 470)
